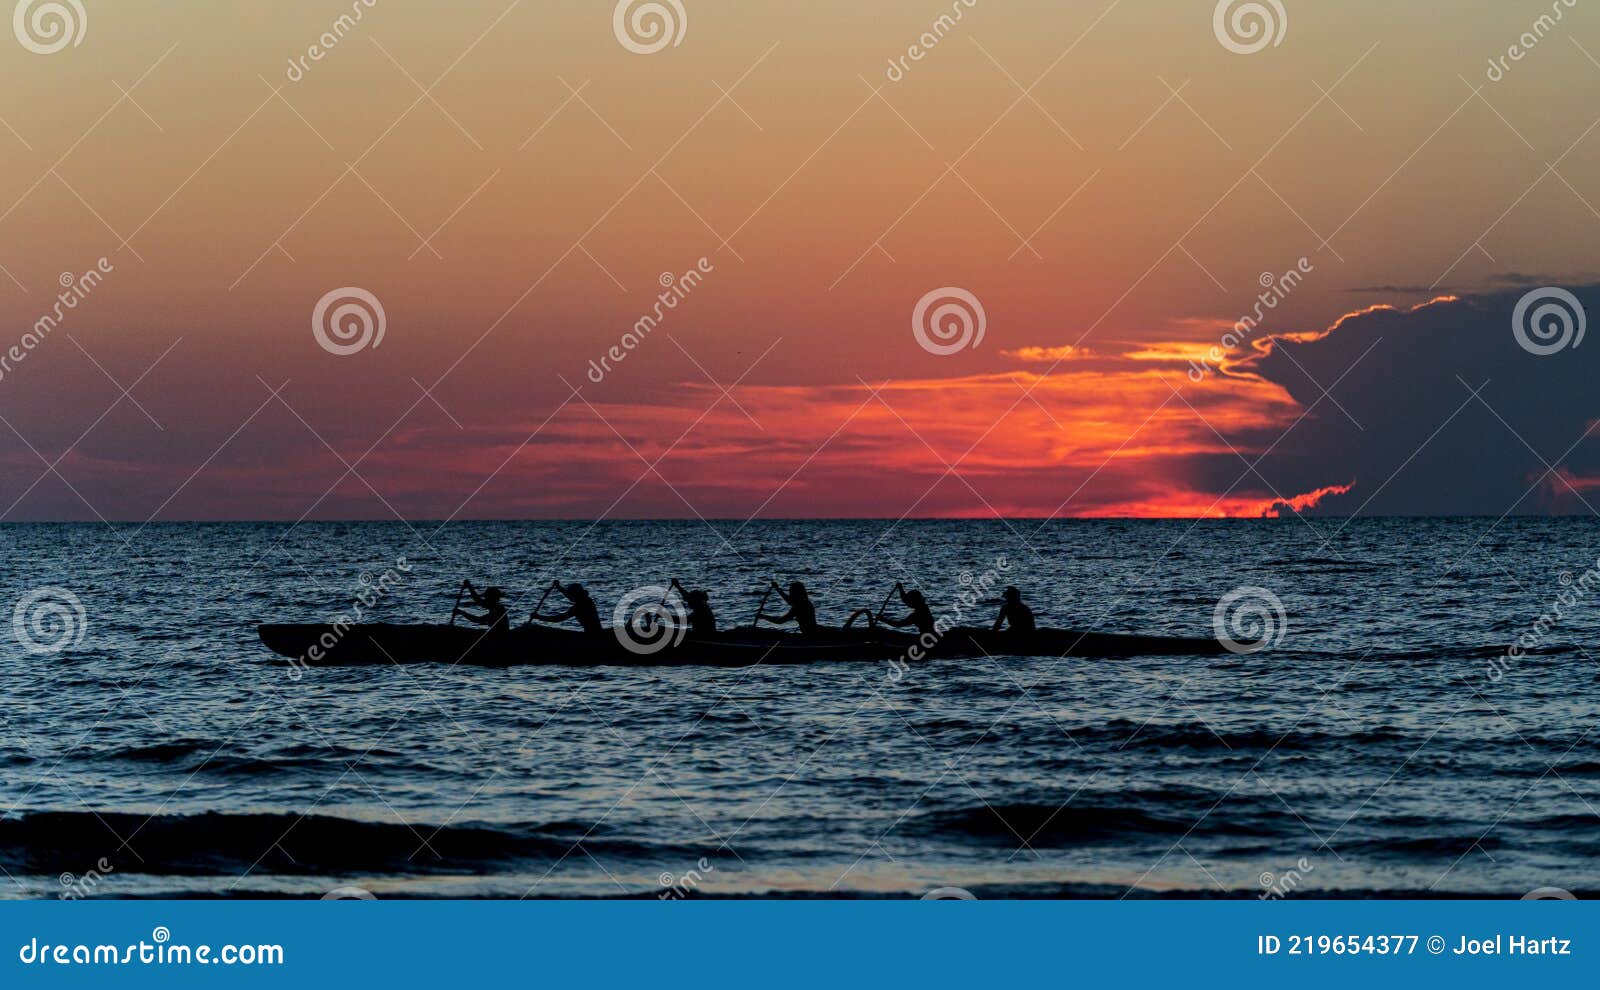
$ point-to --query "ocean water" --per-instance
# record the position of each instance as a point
(1384, 745)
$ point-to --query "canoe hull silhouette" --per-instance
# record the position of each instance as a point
(324, 645)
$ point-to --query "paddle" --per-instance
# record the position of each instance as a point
(457, 609)
(536, 609)
(873, 618)
(682, 593)
(762, 608)
(878, 615)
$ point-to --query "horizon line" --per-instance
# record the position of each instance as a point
(113, 523)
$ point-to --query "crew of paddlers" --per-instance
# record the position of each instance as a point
(702, 621)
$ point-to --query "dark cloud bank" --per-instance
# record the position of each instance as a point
(1456, 416)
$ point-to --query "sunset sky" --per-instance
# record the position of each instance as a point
(511, 182)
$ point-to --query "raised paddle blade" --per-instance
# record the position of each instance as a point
(879, 613)
(460, 590)
(554, 584)
(762, 608)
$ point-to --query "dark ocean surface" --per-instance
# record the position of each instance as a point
(1386, 746)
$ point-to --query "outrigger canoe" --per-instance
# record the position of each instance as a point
(324, 645)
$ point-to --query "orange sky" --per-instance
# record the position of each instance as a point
(511, 182)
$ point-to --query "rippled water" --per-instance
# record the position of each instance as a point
(1370, 752)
